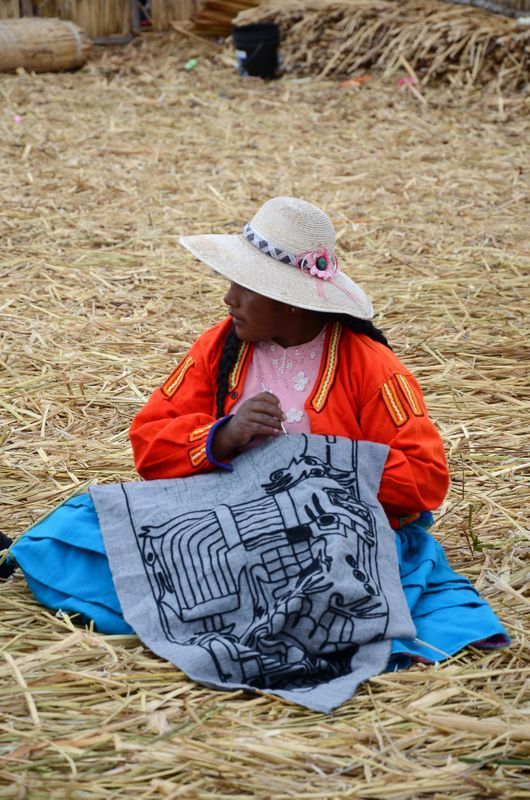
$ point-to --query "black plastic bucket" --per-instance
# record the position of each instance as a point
(257, 49)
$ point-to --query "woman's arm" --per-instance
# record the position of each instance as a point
(415, 477)
(169, 435)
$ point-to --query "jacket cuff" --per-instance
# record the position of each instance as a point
(226, 465)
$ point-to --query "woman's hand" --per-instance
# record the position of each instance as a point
(260, 416)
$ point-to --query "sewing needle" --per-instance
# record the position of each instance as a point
(269, 391)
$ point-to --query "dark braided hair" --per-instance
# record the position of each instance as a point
(226, 362)
(233, 343)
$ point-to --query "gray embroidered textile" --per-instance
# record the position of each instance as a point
(281, 576)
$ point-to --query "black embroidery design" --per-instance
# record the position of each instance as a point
(254, 584)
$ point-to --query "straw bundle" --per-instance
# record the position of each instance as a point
(164, 12)
(215, 17)
(42, 45)
(97, 18)
(431, 40)
(9, 9)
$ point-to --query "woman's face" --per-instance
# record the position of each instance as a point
(257, 318)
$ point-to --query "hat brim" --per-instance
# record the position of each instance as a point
(235, 258)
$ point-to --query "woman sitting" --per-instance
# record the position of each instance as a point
(296, 354)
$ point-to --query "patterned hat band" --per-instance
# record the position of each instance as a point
(322, 263)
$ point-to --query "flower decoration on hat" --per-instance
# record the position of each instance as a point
(321, 263)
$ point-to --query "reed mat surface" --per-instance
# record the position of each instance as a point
(100, 171)
(435, 41)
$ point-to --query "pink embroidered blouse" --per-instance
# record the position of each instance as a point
(289, 373)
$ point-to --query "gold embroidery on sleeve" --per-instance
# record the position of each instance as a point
(199, 433)
(410, 395)
(198, 456)
(393, 404)
(177, 376)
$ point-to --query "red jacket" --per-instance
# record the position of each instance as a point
(362, 392)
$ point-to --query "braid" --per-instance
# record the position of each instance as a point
(364, 326)
(226, 362)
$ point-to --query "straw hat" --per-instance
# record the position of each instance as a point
(286, 252)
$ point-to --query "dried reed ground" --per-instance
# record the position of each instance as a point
(98, 302)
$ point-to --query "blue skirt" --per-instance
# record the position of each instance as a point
(66, 567)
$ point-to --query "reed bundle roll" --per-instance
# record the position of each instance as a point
(42, 45)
